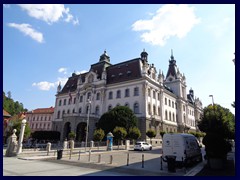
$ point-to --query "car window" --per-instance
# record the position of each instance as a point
(138, 143)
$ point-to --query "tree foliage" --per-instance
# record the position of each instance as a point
(119, 133)
(120, 116)
(134, 133)
(151, 133)
(218, 120)
(11, 106)
(98, 135)
(16, 124)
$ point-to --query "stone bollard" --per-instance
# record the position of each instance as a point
(82, 144)
(48, 148)
(65, 144)
(127, 145)
(91, 144)
(71, 144)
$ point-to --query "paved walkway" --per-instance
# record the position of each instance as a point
(112, 163)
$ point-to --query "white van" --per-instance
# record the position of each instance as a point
(184, 147)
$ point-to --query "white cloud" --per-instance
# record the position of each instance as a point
(81, 72)
(62, 70)
(28, 30)
(49, 13)
(170, 20)
(44, 85)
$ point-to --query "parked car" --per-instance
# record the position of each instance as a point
(141, 145)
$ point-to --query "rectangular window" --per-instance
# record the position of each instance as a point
(136, 91)
(81, 98)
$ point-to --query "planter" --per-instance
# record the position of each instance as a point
(216, 163)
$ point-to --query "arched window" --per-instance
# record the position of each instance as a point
(170, 117)
(169, 102)
(64, 102)
(60, 102)
(159, 111)
(136, 91)
(63, 113)
(154, 94)
(118, 94)
(58, 115)
(68, 111)
(110, 95)
(81, 98)
(88, 96)
(127, 93)
(166, 115)
(154, 110)
(149, 109)
(109, 107)
(73, 111)
(97, 110)
(80, 110)
(98, 96)
(165, 101)
(136, 108)
(173, 117)
(149, 92)
(126, 104)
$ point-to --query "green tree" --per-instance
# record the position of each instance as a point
(134, 133)
(151, 134)
(162, 133)
(219, 120)
(121, 116)
(219, 125)
(72, 135)
(98, 135)
(119, 134)
(11, 106)
(16, 124)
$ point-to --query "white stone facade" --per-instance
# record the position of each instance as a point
(159, 103)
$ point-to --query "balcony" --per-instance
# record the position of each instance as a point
(93, 115)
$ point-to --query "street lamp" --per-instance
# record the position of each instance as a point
(212, 99)
(89, 105)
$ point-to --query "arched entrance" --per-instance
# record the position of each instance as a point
(66, 130)
(81, 131)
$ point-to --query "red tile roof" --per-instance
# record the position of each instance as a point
(6, 114)
(43, 110)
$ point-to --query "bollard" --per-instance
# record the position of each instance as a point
(111, 159)
(127, 159)
(89, 157)
(143, 161)
(79, 156)
(161, 163)
(70, 154)
(99, 158)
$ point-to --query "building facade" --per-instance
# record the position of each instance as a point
(160, 103)
(40, 119)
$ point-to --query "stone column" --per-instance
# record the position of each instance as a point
(21, 136)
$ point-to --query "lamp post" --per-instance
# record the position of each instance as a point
(212, 99)
(19, 150)
(89, 106)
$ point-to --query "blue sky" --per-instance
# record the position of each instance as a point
(45, 44)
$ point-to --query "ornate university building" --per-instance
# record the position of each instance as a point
(160, 103)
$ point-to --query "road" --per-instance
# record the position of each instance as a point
(112, 163)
